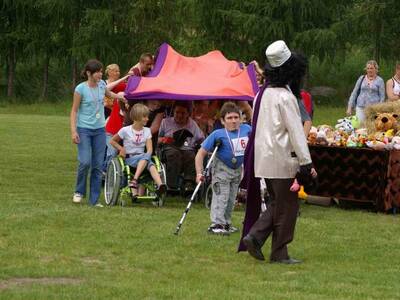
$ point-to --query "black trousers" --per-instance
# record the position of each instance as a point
(279, 218)
(179, 161)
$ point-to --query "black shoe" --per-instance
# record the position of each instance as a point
(161, 190)
(253, 247)
(288, 261)
(135, 199)
(231, 229)
(188, 187)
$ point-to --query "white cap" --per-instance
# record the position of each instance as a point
(277, 53)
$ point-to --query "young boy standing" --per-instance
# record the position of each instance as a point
(226, 170)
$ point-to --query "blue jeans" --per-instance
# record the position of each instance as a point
(110, 153)
(90, 156)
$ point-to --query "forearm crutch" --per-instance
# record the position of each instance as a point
(178, 227)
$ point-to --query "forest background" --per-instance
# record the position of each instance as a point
(44, 43)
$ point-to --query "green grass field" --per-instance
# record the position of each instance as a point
(52, 249)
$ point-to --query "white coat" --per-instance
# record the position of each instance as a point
(279, 134)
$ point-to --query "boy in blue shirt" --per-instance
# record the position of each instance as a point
(227, 167)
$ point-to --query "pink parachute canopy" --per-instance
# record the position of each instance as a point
(207, 77)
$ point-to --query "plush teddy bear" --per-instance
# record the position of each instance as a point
(340, 138)
(325, 135)
(312, 138)
(385, 122)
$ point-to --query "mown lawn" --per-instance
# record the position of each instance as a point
(52, 249)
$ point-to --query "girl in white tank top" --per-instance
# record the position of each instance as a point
(396, 86)
(393, 85)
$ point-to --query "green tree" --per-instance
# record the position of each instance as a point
(12, 38)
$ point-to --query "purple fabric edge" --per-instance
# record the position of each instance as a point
(251, 70)
(133, 81)
(160, 60)
(168, 96)
(249, 181)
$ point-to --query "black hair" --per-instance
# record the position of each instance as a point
(92, 66)
(185, 104)
(290, 73)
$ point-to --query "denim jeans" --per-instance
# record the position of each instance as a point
(111, 152)
(90, 156)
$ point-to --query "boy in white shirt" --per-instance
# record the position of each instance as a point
(136, 138)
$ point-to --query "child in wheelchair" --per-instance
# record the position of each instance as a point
(136, 139)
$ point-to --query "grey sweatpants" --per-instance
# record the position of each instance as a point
(225, 184)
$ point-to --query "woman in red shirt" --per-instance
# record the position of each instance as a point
(116, 118)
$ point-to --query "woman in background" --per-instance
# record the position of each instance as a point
(369, 89)
(393, 85)
(116, 118)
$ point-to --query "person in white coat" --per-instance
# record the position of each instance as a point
(280, 151)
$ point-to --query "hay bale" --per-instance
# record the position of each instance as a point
(372, 110)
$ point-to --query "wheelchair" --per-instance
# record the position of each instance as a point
(205, 192)
(119, 174)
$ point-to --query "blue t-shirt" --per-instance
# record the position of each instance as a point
(91, 109)
(230, 145)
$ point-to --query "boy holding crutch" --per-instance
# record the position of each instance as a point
(227, 167)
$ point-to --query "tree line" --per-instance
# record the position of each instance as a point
(44, 43)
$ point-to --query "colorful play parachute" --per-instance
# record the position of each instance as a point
(207, 77)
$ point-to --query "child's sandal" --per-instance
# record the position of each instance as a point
(133, 185)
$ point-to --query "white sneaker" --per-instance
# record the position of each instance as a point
(99, 205)
(77, 198)
(218, 229)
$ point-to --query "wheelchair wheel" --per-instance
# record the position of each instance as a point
(112, 184)
(208, 196)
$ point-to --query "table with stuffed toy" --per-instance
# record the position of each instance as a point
(358, 174)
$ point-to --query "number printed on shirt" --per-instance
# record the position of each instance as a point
(240, 145)
(138, 139)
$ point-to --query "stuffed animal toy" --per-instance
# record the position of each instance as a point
(321, 138)
(340, 138)
(377, 145)
(379, 136)
(355, 122)
(352, 141)
(385, 122)
(389, 133)
(325, 135)
(312, 138)
(394, 144)
(345, 125)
